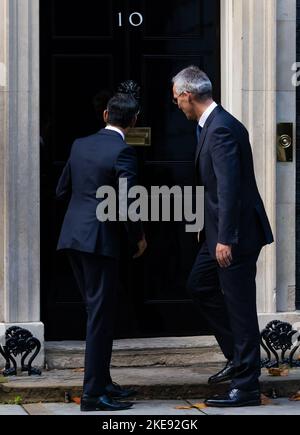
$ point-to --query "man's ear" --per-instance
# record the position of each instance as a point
(105, 116)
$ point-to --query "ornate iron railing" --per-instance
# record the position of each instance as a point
(281, 345)
(20, 342)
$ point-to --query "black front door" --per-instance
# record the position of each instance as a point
(87, 49)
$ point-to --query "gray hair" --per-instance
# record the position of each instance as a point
(195, 81)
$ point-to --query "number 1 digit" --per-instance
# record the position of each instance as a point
(120, 19)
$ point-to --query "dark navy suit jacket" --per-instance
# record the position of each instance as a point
(234, 211)
(95, 161)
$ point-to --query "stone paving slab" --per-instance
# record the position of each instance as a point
(38, 409)
(276, 407)
(12, 410)
(155, 407)
(168, 408)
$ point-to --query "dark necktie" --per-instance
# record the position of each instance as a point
(199, 131)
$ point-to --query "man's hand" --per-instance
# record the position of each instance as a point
(142, 246)
(224, 255)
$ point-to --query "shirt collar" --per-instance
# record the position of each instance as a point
(116, 129)
(206, 114)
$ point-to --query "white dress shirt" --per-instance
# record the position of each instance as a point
(206, 114)
(116, 129)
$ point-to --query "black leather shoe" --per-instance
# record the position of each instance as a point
(115, 391)
(235, 398)
(102, 403)
(225, 374)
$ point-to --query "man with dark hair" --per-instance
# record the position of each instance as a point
(93, 246)
(222, 281)
(121, 110)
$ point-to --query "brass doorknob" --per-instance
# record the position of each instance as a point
(285, 141)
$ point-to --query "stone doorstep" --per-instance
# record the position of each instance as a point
(159, 383)
(150, 352)
(170, 351)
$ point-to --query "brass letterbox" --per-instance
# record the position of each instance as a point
(139, 137)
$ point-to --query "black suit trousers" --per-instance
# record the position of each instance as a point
(226, 298)
(96, 276)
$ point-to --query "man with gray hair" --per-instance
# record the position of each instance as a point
(222, 281)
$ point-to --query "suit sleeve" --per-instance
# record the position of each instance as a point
(64, 186)
(225, 153)
(126, 168)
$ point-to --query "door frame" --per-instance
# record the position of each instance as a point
(249, 38)
(298, 167)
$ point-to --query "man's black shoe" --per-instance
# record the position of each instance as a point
(225, 374)
(115, 391)
(235, 398)
(102, 403)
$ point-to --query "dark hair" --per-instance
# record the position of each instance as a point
(122, 108)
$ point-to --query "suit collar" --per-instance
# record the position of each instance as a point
(209, 120)
(116, 129)
(112, 133)
(207, 113)
(213, 114)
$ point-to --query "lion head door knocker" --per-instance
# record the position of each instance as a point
(130, 87)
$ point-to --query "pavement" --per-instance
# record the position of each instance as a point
(161, 390)
(155, 408)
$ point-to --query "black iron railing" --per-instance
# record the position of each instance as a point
(281, 343)
(20, 342)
